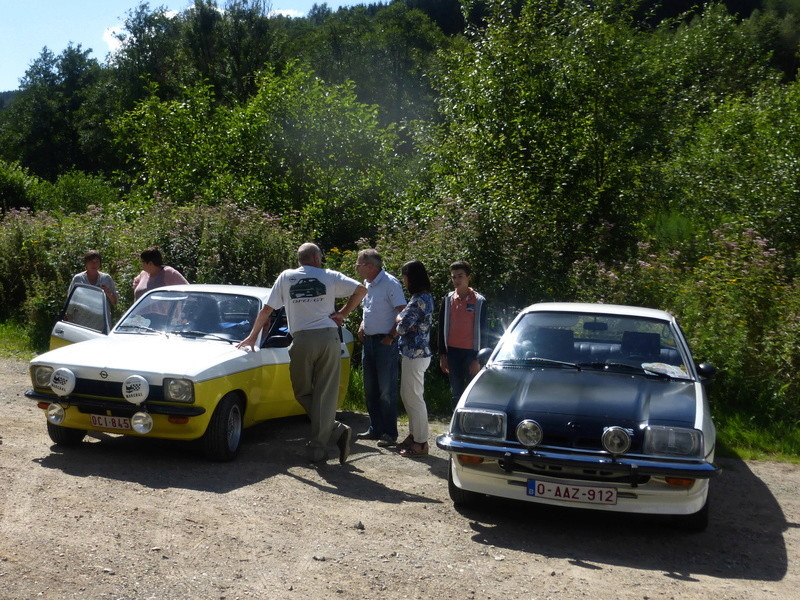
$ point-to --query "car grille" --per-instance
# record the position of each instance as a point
(110, 390)
(557, 472)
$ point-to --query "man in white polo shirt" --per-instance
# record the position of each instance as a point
(309, 294)
(380, 357)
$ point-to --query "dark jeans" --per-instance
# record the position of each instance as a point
(381, 368)
(458, 361)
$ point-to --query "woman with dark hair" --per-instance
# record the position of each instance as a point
(154, 273)
(413, 327)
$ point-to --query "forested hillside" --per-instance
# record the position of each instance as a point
(614, 150)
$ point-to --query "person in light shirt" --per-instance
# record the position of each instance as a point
(378, 333)
(94, 276)
(309, 295)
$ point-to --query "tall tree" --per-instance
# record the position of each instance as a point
(44, 127)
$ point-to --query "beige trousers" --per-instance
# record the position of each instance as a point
(315, 368)
(412, 388)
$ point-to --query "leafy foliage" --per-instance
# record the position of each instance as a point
(615, 150)
(297, 145)
(225, 244)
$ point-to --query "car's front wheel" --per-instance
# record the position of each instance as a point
(224, 434)
(65, 436)
(461, 498)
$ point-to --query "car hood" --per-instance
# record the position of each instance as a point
(569, 396)
(144, 353)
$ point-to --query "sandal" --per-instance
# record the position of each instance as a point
(406, 443)
(415, 449)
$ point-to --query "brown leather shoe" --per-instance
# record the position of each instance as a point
(415, 449)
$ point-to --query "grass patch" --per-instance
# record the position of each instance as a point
(738, 435)
(437, 392)
(15, 342)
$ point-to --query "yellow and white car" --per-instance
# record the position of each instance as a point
(169, 368)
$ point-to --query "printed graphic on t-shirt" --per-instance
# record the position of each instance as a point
(308, 287)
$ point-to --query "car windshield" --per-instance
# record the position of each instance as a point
(192, 314)
(589, 340)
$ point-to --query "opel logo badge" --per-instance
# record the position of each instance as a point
(103, 375)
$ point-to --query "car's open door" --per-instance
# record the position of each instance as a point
(85, 316)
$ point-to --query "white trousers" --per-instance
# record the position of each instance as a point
(412, 389)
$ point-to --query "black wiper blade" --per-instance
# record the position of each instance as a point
(623, 366)
(593, 365)
(142, 328)
(611, 366)
(204, 334)
(539, 360)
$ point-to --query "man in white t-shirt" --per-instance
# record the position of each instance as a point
(309, 294)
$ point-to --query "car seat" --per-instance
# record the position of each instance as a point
(555, 344)
(641, 344)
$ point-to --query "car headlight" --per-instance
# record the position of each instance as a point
(483, 423)
(141, 422)
(63, 381)
(673, 441)
(135, 389)
(616, 440)
(529, 433)
(40, 376)
(56, 414)
(178, 390)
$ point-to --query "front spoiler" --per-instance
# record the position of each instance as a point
(117, 408)
(623, 465)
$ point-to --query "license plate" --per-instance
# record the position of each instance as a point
(572, 493)
(110, 422)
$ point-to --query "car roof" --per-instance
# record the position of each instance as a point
(597, 308)
(220, 288)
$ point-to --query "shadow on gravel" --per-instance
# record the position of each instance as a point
(275, 447)
(744, 539)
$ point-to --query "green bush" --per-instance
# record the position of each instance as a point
(15, 186)
(74, 191)
(739, 308)
(40, 252)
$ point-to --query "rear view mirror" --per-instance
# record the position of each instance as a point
(483, 355)
(706, 371)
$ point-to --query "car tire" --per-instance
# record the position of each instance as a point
(224, 433)
(461, 498)
(65, 436)
(696, 522)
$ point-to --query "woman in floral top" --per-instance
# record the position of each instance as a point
(414, 327)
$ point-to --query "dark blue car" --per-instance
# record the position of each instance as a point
(587, 405)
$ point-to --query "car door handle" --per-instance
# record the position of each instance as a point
(59, 331)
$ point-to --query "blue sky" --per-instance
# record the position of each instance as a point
(27, 27)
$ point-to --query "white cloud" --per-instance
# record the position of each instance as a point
(288, 12)
(110, 34)
(109, 37)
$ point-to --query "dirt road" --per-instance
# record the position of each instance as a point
(125, 518)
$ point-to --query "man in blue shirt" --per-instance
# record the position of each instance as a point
(377, 332)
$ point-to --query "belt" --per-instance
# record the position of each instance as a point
(377, 335)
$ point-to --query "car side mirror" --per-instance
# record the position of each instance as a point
(483, 355)
(706, 371)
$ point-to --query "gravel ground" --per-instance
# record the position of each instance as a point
(127, 518)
